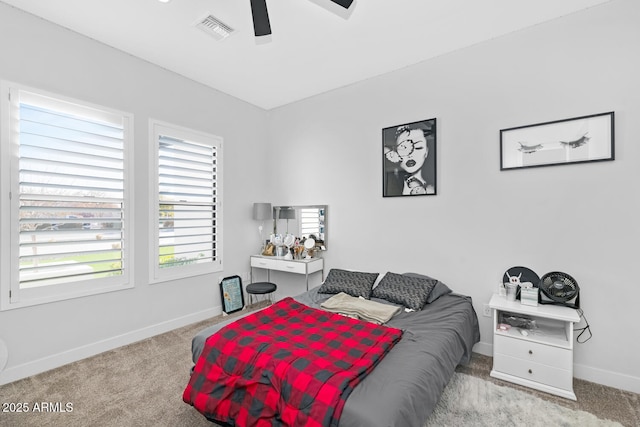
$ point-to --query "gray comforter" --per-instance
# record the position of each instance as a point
(406, 385)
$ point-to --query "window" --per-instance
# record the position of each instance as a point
(312, 222)
(64, 198)
(187, 215)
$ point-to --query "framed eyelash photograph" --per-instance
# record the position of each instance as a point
(409, 159)
(576, 140)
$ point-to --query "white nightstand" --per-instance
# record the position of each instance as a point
(543, 359)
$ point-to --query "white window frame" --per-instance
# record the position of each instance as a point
(11, 296)
(156, 273)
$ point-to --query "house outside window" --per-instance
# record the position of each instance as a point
(65, 184)
(186, 213)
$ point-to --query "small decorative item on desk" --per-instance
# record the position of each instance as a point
(289, 240)
(269, 250)
(528, 294)
(521, 277)
(502, 291)
(278, 242)
(309, 245)
(298, 250)
(512, 286)
(512, 290)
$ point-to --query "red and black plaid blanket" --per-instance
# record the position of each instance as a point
(286, 365)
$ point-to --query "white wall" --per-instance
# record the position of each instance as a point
(42, 55)
(580, 219)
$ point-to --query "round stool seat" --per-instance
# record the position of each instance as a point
(261, 288)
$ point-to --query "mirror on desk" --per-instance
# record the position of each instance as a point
(302, 221)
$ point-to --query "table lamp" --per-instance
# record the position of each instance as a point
(262, 212)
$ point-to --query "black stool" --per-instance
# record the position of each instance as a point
(261, 288)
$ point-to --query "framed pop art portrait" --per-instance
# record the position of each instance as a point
(576, 140)
(409, 159)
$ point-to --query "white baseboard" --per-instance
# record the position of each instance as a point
(608, 378)
(583, 372)
(483, 348)
(34, 367)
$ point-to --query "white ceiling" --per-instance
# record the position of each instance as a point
(313, 49)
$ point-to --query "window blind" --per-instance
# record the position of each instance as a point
(310, 222)
(71, 193)
(187, 223)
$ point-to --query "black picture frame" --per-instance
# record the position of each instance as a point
(232, 294)
(577, 140)
(411, 171)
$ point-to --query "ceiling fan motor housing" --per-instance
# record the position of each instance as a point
(260, 13)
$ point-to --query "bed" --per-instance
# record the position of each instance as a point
(406, 384)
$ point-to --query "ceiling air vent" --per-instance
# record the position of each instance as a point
(214, 27)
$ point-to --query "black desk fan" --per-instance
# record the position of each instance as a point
(560, 289)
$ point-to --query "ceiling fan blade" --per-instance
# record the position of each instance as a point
(343, 3)
(261, 25)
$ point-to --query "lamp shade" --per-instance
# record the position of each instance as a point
(262, 211)
(287, 213)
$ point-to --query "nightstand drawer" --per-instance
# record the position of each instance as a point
(529, 351)
(531, 371)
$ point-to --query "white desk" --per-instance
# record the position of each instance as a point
(303, 266)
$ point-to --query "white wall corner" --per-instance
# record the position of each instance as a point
(484, 348)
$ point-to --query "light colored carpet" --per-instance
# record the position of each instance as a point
(141, 385)
(471, 401)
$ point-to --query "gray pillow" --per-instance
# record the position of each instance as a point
(354, 283)
(438, 290)
(411, 292)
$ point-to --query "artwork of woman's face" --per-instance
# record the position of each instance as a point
(411, 147)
